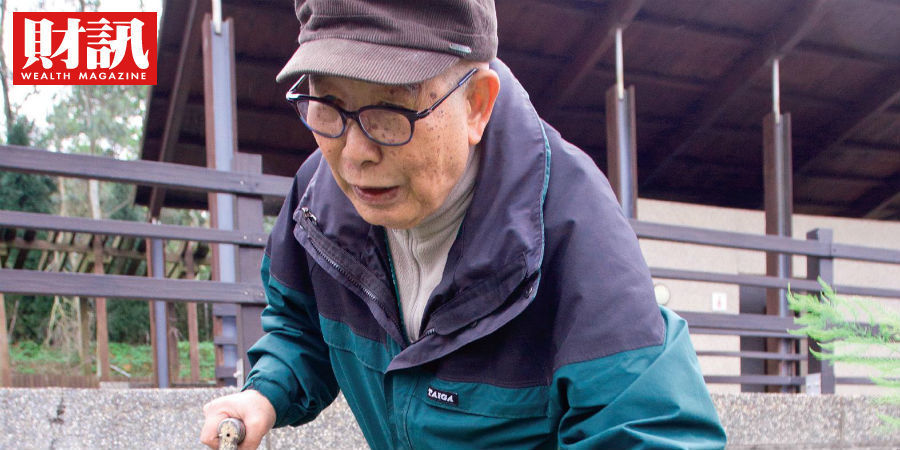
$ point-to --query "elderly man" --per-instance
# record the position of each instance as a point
(446, 260)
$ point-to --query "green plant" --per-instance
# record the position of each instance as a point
(854, 331)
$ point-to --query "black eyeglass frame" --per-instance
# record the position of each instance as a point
(293, 97)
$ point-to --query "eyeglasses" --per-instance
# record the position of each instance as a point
(384, 124)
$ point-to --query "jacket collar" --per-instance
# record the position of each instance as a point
(499, 247)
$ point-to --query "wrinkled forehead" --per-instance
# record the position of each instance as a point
(321, 83)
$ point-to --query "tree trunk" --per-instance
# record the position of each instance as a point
(5, 370)
(12, 320)
(52, 320)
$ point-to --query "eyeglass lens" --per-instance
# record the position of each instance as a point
(382, 125)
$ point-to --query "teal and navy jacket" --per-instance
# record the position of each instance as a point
(543, 332)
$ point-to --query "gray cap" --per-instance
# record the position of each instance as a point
(390, 41)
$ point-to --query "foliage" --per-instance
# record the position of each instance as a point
(29, 193)
(101, 120)
(23, 191)
(136, 360)
(854, 331)
(129, 321)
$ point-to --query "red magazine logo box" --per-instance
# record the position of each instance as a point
(66, 48)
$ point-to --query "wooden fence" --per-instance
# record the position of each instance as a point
(31, 380)
(244, 298)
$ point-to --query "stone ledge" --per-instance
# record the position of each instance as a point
(149, 418)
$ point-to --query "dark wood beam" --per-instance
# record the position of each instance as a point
(661, 79)
(736, 198)
(184, 71)
(269, 6)
(196, 102)
(828, 178)
(875, 201)
(800, 97)
(256, 148)
(870, 147)
(809, 202)
(241, 59)
(570, 77)
(714, 31)
(851, 54)
(752, 171)
(881, 211)
(786, 35)
(881, 96)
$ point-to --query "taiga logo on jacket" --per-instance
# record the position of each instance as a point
(449, 398)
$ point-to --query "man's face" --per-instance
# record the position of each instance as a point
(397, 186)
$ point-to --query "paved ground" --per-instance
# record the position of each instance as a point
(168, 419)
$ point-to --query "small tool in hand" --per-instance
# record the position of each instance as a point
(231, 433)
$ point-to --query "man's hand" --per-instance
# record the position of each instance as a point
(250, 406)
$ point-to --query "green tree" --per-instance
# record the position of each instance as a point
(100, 121)
(30, 193)
(23, 191)
(854, 331)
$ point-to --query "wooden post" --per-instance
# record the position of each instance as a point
(84, 335)
(779, 211)
(172, 329)
(193, 334)
(820, 267)
(102, 324)
(249, 215)
(5, 368)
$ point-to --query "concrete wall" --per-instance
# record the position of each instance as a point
(169, 419)
(697, 296)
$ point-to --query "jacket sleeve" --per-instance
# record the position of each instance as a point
(652, 397)
(625, 374)
(290, 363)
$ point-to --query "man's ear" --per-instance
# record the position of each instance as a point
(481, 93)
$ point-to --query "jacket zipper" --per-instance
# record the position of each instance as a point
(427, 333)
(310, 217)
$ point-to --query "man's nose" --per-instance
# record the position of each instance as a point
(359, 150)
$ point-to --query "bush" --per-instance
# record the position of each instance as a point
(854, 331)
(129, 321)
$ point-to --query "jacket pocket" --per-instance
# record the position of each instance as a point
(446, 414)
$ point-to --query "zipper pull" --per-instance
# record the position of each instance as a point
(309, 215)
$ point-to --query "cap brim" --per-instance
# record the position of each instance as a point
(375, 63)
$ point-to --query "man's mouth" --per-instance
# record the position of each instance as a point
(371, 194)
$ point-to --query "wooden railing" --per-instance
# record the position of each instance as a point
(809, 374)
(234, 301)
(243, 299)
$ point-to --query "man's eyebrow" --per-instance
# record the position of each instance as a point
(412, 88)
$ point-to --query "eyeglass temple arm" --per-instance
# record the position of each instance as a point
(462, 81)
(290, 93)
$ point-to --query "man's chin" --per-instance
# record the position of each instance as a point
(386, 218)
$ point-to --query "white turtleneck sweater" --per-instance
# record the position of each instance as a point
(419, 254)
